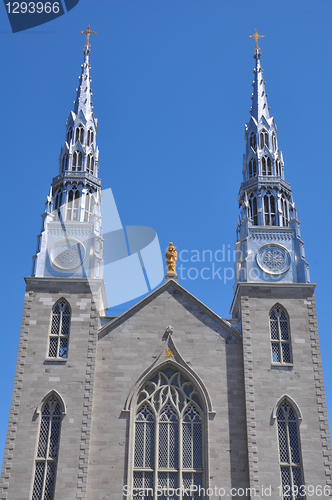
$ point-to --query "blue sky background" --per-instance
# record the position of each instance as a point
(172, 85)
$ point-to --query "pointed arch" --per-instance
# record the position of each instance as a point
(289, 445)
(169, 431)
(49, 395)
(51, 411)
(178, 363)
(291, 402)
(59, 330)
(280, 335)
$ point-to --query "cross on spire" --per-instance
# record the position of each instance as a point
(256, 36)
(88, 32)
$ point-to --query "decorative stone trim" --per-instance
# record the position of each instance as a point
(320, 392)
(249, 396)
(87, 406)
(16, 398)
(268, 235)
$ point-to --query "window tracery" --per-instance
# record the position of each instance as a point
(289, 452)
(168, 450)
(73, 204)
(77, 161)
(252, 168)
(264, 139)
(79, 134)
(280, 335)
(252, 140)
(59, 334)
(269, 209)
(266, 166)
(47, 451)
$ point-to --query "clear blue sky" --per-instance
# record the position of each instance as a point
(172, 84)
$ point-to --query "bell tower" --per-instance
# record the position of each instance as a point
(288, 437)
(54, 378)
(269, 246)
(70, 243)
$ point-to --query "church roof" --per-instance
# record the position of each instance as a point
(168, 285)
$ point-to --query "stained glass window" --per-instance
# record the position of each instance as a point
(168, 449)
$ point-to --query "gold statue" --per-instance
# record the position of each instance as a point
(88, 32)
(171, 258)
(256, 36)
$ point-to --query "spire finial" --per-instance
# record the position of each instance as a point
(88, 32)
(256, 36)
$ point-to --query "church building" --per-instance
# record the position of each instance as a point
(168, 400)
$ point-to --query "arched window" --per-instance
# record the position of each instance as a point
(269, 209)
(289, 452)
(65, 162)
(90, 137)
(253, 144)
(274, 142)
(278, 168)
(252, 168)
(77, 161)
(79, 134)
(90, 164)
(59, 335)
(264, 139)
(253, 209)
(69, 135)
(89, 204)
(47, 451)
(266, 166)
(168, 449)
(285, 213)
(280, 335)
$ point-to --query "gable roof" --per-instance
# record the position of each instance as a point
(169, 284)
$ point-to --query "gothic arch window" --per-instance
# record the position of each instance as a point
(274, 142)
(79, 134)
(289, 452)
(264, 139)
(253, 209)
(285, 212)
(47, 450)
(278, 168)
(90, 164)
(59, 334)
(73, 204)
(253, 144)
(77, 161)
(69, 135)
(252, 168)
(280, 335)
(90, 137)
(269, 209)
(65, 162)
(168, 445)
(266, 166)
(89, 206)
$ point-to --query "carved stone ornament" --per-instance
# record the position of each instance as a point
(68, 254)
(273, 259)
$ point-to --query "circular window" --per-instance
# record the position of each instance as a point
(273, 259)
(68, 254)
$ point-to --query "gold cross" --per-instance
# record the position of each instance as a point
(88, 32)
(256, 36)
